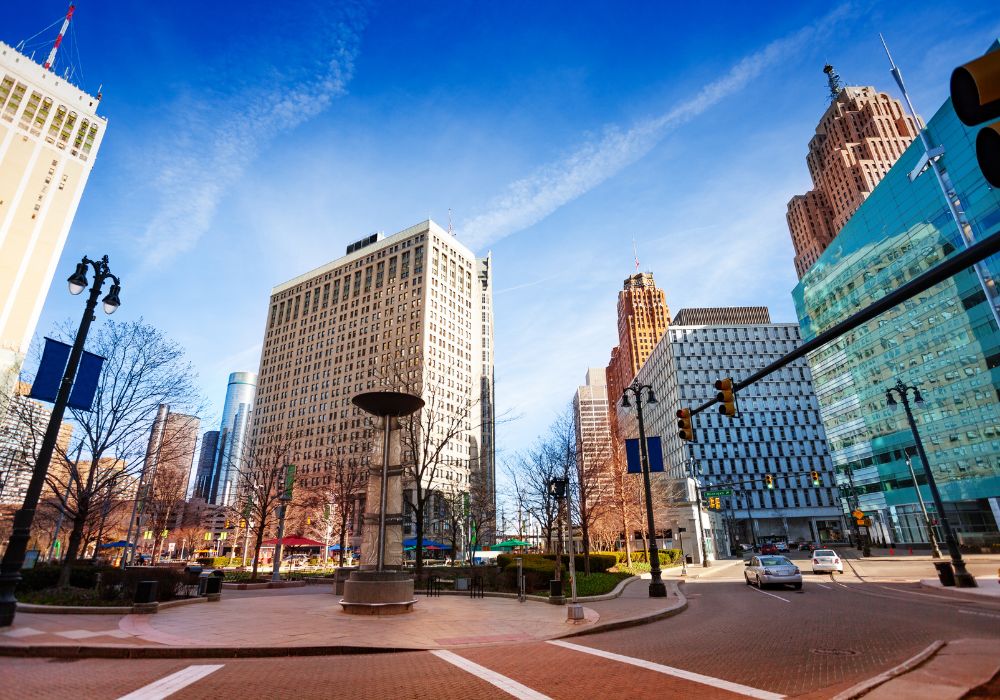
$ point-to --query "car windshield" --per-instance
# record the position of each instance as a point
(824, 553)
(774, 561)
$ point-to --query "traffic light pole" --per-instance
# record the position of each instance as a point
(700, 529)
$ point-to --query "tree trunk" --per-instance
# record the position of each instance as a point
(343, 534)
(256, 550)
(419, 512)
(585, 534)
(75, 539)
(628, 540)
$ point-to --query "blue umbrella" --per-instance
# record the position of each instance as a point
(115, 545)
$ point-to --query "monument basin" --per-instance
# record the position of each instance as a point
(378, 593)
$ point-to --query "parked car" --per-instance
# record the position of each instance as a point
(769, 548)
(768, 570)
(782, 545)
(826, 561)
(807, 546)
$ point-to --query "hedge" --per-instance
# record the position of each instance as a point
(599, 562)
(667, 556)
(115, 583)
(47, 576)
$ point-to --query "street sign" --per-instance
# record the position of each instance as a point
(717, 493)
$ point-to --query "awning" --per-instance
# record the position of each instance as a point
(115, 545)
(513, 543)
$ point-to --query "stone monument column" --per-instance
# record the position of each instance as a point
(393, 501)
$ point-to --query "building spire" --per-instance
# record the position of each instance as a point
(635, 254)
(833, 80)
(62, 32)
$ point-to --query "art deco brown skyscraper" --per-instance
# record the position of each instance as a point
(643, 318)
(861, 134)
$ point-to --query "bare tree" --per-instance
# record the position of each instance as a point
(347, 478)
(142, 369)
(482, 512)
(530, 474)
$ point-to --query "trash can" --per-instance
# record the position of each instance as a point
(191, 574)
(213, 585)
(946, 575)
(689, 558)
(555, 588)
(145, 592)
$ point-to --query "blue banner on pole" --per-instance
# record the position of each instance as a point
(81, 397)
(50, 371)
(654, 450)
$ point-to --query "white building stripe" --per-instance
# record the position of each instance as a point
(507, 685)
(671, 671)
(171, 684)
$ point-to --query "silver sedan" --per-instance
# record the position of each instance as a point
(765, 570)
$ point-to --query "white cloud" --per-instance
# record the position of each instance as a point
(218, 142)
(531, 199)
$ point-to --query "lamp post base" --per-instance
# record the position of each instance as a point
(657, 589)
(963, 579)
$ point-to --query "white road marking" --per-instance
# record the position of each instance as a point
(923, 595)
(976, 612)
(671, 671)
(842, 585)
(823, 585)
(508, 685)
(770, 594)
(171, 684)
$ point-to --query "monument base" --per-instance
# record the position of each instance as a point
(378, 593)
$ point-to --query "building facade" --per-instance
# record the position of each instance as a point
(21, 432)
(206, 460)
(859, 137)
(50, 134)
(945, 341)
(778, 431)
(593, 438)
(220, 486)
(486, 468)
(170, 451)
(407, 312)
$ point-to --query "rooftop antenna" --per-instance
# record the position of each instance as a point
(62, 32)
(833, 80)
(929, 161)
(450, 229)
(635, 254)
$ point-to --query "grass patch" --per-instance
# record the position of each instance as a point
(596, 583)
(641, 567)
(67, 596)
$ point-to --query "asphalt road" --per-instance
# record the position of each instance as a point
(733, 641)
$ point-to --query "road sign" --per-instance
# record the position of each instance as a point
(716, 493)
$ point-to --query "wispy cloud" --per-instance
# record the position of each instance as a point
(218, 142)
(531, 199)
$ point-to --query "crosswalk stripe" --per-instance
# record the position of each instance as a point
(671, 671)
(169, 685)
(508, 685)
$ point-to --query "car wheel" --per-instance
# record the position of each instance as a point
(815, 572)
(760, 586)
(746, 579)
(797, 586)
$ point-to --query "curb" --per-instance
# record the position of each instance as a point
(636, 620)
(615, 593)
(102, 609)
(864, 687)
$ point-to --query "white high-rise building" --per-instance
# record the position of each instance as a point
(778, 430)
(593, 438)
(412, 312)
(49, 137)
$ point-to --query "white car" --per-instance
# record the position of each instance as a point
(767, 569)
(826, 561)
(782, 545)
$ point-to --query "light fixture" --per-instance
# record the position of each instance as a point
(917, 396)
(78, 280)
(890, 399)
(111, 301)
(651, 397)
(625, 401)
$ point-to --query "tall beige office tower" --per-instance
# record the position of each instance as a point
(593, 438)
(49, 137)
(411, 311)
(859, 137)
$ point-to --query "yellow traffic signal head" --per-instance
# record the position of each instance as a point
(769, 480)
(726, 397)
(975, 95)
(686, 431)
(815, 478)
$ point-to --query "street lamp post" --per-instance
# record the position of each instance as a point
(657, 589)
(17, 545)
(962, 577)
(931, 536)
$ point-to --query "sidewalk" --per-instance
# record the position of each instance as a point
(312, 623)
(989, 587)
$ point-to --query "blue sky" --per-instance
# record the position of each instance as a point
(249, 144)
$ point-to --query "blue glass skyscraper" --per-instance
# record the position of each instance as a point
(220, 486)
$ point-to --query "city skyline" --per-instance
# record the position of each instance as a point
(554, 189)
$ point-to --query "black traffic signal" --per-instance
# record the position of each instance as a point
(815, 477)
(769, 481)
(975, 93)
(726, 397)
(686, 431)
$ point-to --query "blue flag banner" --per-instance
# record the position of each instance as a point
(654, 450)
(81, 397)
(51, 370)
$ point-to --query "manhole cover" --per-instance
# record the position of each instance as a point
(835, 652)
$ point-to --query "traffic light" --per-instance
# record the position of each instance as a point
(714, 503)
(726, 397)
(975, 94)
(684, 423)
(769, 481)
(815, 477)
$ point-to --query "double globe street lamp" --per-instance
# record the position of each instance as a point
(17, 545)
(962, 577)
(657, 589)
